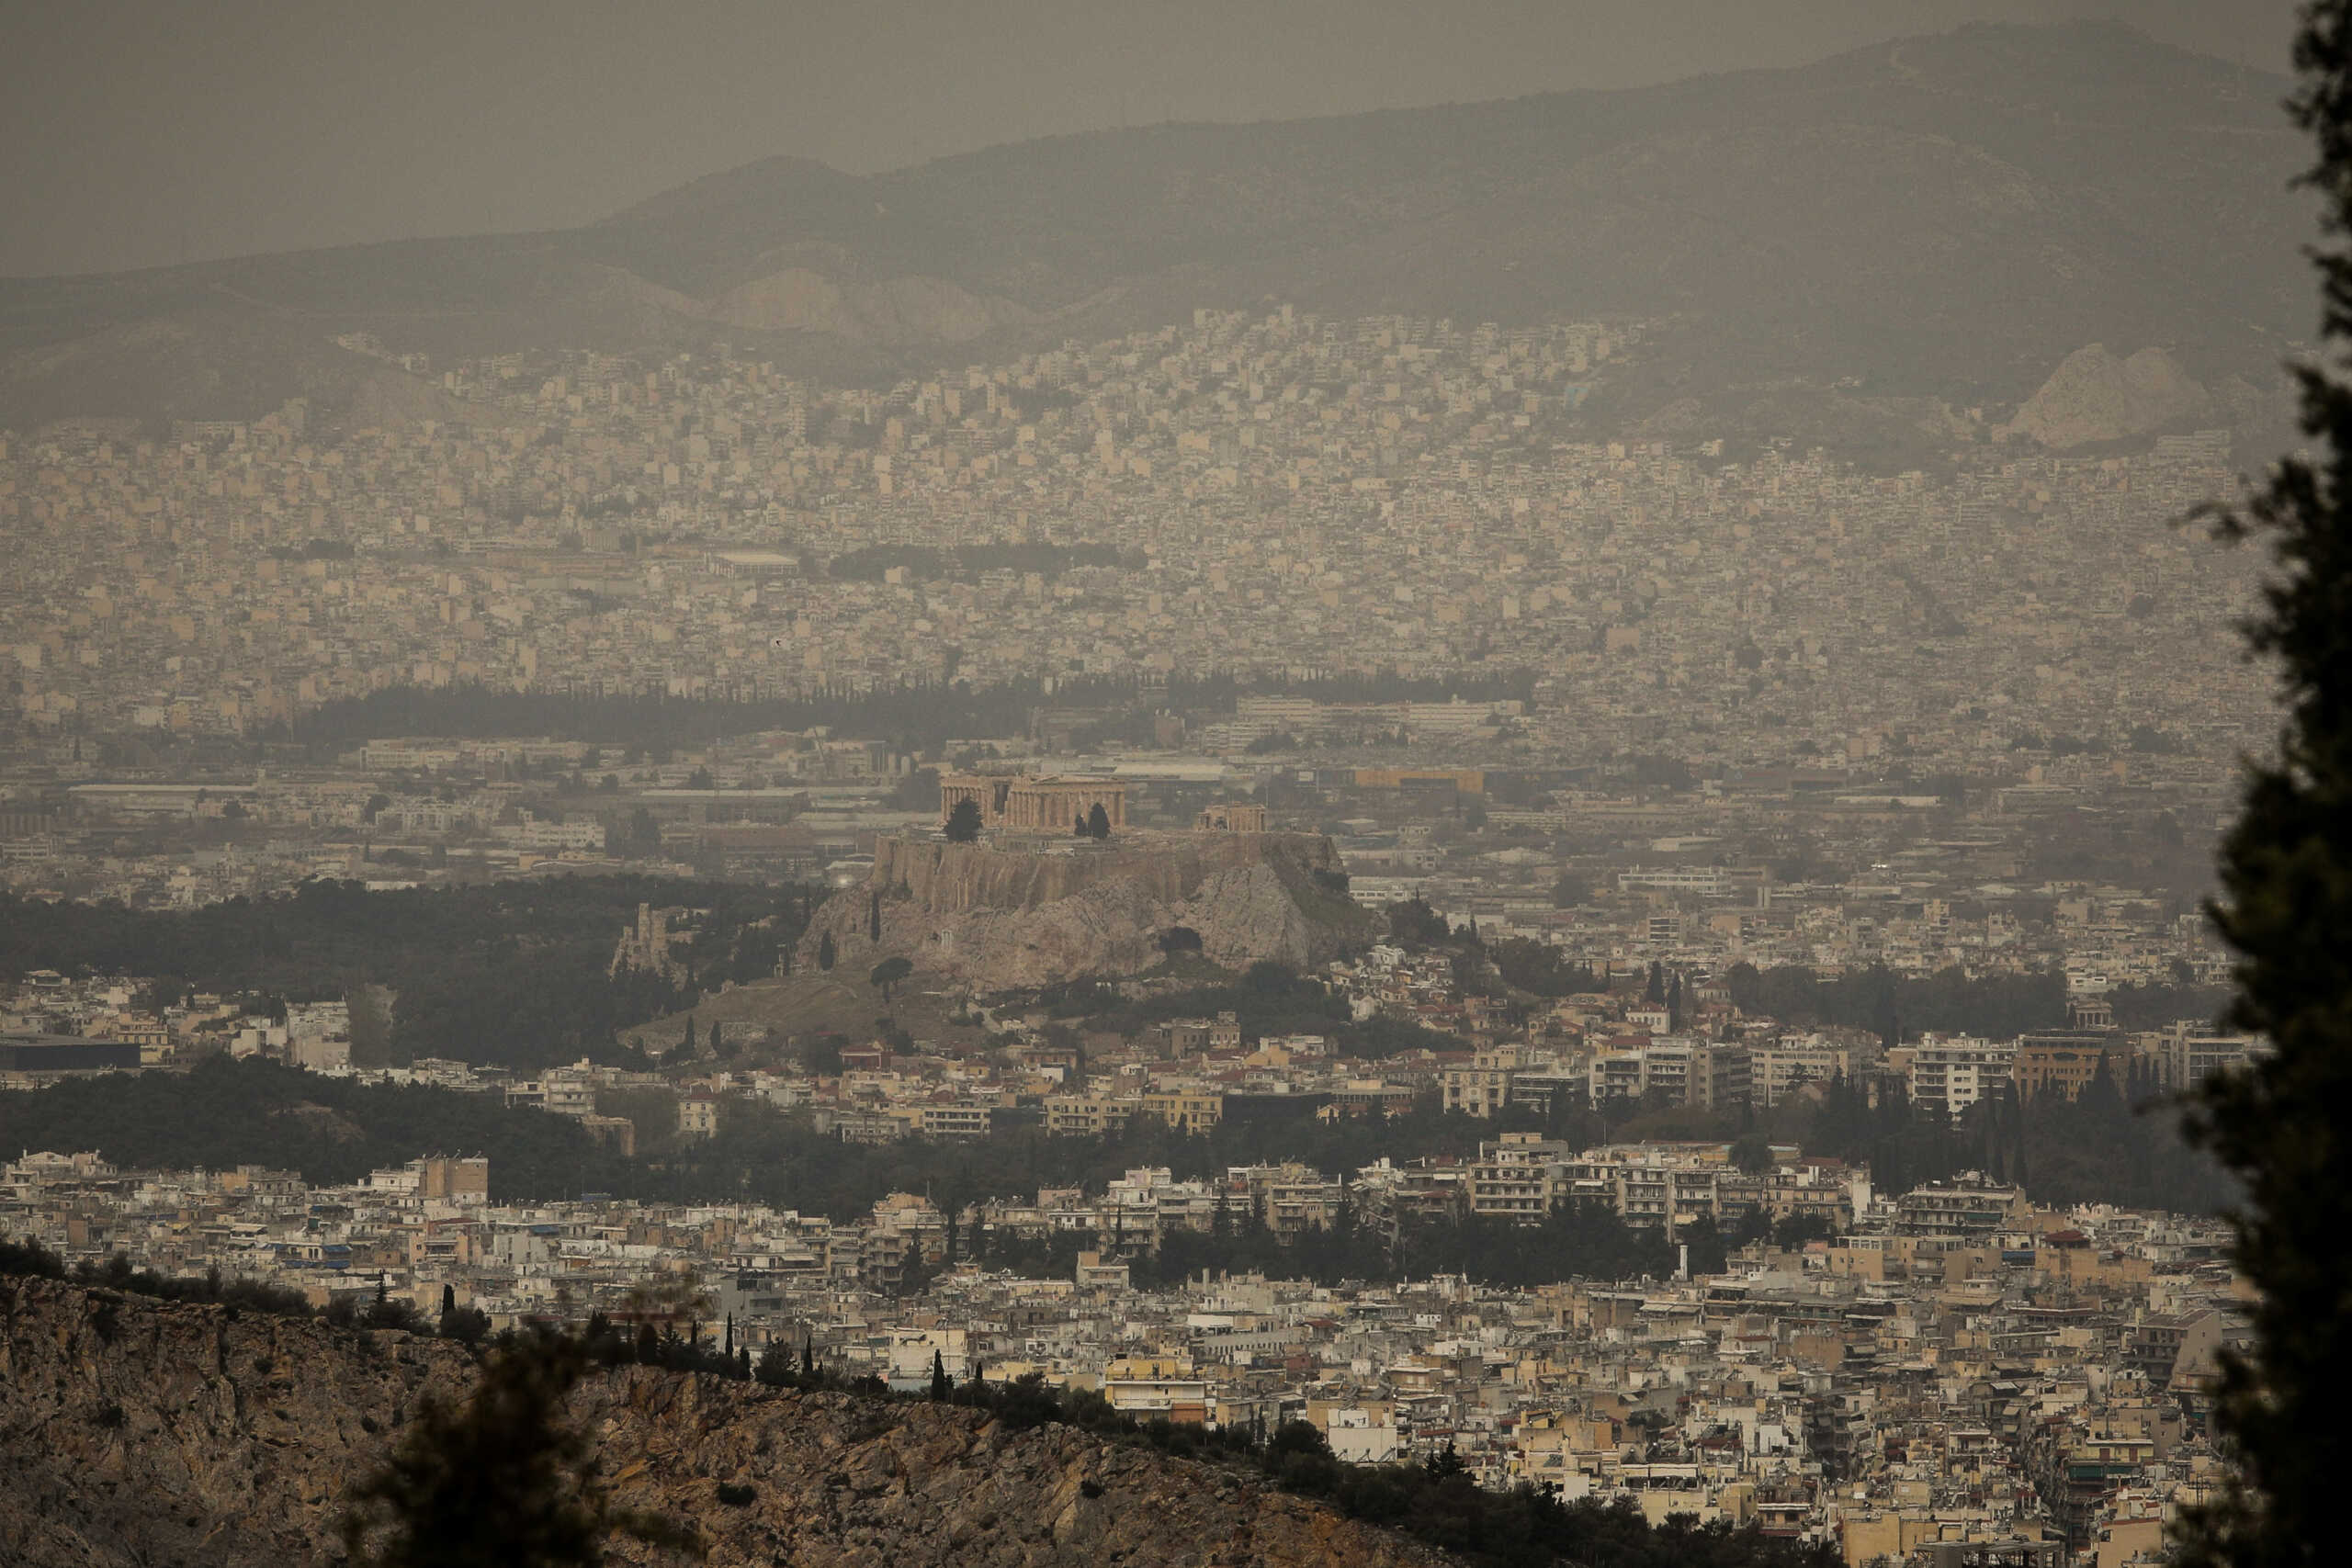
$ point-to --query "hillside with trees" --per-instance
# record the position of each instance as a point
(512, 974)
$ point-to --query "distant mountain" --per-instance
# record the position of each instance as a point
(2097, 397)
(1943, 218)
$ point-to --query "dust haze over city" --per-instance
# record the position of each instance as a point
(1307, 784)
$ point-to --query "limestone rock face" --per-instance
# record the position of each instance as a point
(133, 1432)
(2094, 396)
(1002, 915)
(136, 1432)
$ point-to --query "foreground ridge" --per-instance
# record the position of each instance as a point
(133, 1431)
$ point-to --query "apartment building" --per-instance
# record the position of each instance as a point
(1949, 1073)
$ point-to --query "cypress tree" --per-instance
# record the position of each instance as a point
(2285, 1123)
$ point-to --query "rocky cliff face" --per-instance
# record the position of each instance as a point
(137, 1433)
(1003, 915)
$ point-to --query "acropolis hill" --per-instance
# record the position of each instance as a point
(1017, 910)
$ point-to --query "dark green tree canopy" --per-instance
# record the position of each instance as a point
(1414, 923)
(2285, 1124)
(506, 1481)
(889, 973)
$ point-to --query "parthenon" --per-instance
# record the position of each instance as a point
(1022, 803)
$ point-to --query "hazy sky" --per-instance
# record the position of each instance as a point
(140, 134)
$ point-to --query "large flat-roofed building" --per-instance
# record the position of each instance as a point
(1424, 781)
(1786, 1066)
(1947, 1076)
(64, 1052)
(2061, 1061)
(2187, 1054)
(1030, 803)
(157, 799)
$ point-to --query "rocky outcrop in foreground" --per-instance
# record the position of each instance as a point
(134, 1432)
(1006, 914)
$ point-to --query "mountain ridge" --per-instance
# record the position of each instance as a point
(1948, 215)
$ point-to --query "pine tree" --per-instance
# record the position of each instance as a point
(941, 1388)
(873, 917)
(889, 973)
(826, 953)
(1098, 822)
(505, 1481)
(2285, 907)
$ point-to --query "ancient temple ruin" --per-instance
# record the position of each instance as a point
(1034, 804)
